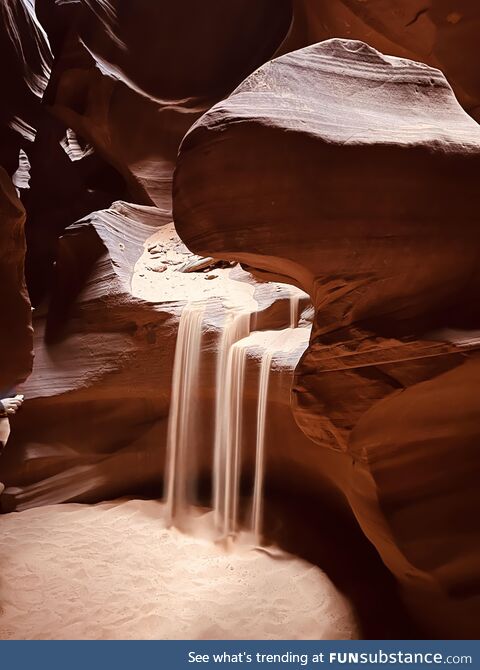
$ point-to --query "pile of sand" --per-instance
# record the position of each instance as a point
(113, 571)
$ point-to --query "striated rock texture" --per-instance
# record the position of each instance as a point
(59, 178)
(25, 54)
(354, 175)
(441, 33)
(88, 429)
(16, 339)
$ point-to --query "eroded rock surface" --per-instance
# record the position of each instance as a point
(26, 56)
(16, 338)
(354, 175)
(132, 81)
(441, 33)
(183, 52)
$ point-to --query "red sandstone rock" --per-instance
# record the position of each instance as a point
(183, 52)
(441, 33)
(15, 329)
(26, 59)
(354, 175)
(140, 77)
(89, 430)
(56, 187)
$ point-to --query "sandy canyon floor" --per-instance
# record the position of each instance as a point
(114, 571)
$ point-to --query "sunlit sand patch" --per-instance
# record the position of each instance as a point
(114, 571)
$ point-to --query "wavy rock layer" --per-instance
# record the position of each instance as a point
(441, 33)
(335, 164)
(26, 56)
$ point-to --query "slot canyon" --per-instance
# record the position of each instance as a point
(240, 246)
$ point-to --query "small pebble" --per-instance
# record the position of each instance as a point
(454, 17)
(212, 276)
(156, 268)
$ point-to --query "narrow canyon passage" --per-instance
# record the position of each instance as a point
(239, 273)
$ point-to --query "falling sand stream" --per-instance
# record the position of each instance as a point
(228, 421)
(181, 425)
(231, 359)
